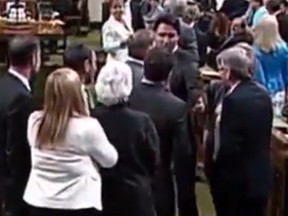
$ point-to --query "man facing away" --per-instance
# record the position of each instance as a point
(83, 60)
(242, 175)
(15, 107)
(138, 46)
(169, 115)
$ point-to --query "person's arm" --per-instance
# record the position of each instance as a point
(152, 147)
(259, 73)
(285, 74)
(192, 81)
(181, 142)
(110, 44)
(17, 147)
(98, 146)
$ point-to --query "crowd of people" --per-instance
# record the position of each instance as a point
(118, 138)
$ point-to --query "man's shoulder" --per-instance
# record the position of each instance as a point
(249, 92)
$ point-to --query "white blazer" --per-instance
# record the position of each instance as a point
(68, 177)
(113, 34)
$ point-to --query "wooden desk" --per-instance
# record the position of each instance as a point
(279, 155)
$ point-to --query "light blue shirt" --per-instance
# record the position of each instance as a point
(258, 16)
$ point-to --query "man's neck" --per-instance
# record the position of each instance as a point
(138, 58)
(26, 72)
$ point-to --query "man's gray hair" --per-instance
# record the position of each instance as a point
(237, 60)
(176, 7)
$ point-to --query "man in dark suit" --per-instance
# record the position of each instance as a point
(169, 115)
(15, 107)
(134, 12)
(138, 45)
(242, 175)
(188, 39)
(184, 83)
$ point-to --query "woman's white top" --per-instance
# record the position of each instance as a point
(68, 178)
(113, 34)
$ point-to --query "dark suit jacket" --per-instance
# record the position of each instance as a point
(185, 78)
(15, 108)
(188, 40)
(243, 162)
(137, 71)
(169, 115)
(234, 8)
(137, 18)
(127, 186)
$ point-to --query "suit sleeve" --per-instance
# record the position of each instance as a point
(17, 149)
(229, 149)
(192, 81)
(188, 41)
(181, 142)
(152, 146)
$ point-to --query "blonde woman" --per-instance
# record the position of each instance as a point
(271, 68)
(127, 186)
(67, 148)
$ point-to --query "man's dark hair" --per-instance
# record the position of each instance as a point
(142, 39)
(75, 56)
(167, 19)
(273, 6)
(21, 50)
(158, 64)
(261, 2)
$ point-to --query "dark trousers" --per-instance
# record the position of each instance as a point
(164, 194)
(33, 211)
(13, 197)
(232, 202)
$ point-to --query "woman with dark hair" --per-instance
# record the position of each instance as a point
(218, 33)
(116, 31)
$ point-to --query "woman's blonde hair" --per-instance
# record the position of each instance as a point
(63, 100)
(266, 34)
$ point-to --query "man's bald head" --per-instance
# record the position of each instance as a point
(140, 42)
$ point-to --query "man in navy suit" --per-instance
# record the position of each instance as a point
(242, 170)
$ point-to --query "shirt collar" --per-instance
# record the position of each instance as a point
(175, 49)
(135, 60)
(233, 87)
(149, 82)
(22, 78)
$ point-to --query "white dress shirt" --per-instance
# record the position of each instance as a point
(68, 177)
(22, 78)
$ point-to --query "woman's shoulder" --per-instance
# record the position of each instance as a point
(282, 47)
(35, 116)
